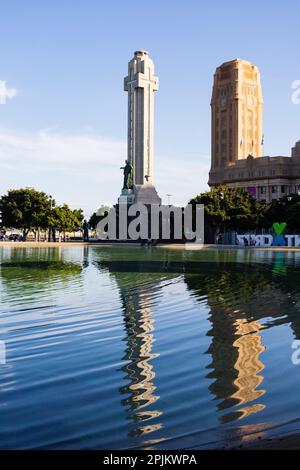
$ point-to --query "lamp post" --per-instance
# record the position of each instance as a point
(50, 227)
(223, 206)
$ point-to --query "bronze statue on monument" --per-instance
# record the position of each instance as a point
(128, 175)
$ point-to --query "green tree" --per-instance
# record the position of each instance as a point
(240, 208)
(261, 209)
(227, 208)
(283, 210)
(293, 213)
(78, 216)
(65, 219)
(93, 220)
(97, 216)
(25, 209)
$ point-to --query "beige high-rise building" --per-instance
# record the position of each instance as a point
(236, 113)
(237, 137)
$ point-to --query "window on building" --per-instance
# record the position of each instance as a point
(283, 189)
(274, 189)
(263, 190)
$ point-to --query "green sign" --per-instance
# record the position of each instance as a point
(279, 229)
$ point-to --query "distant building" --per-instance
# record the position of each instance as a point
(237, 137)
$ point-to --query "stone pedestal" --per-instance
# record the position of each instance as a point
(142, 194)
(127, 197)
(146, 194)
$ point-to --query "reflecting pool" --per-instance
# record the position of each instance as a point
(120, 347)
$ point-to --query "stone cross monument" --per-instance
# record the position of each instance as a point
(141, 83)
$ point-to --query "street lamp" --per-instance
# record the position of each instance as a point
(224, 227)
(50, 227)
(168, 196)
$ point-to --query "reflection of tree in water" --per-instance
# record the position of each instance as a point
(138, 294)
(31, 269)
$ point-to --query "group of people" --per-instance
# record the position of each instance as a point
(149, 242)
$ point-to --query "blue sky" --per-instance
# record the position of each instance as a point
(65, 130)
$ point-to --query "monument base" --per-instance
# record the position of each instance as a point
(127, 197)
(140, 194)
(146, 194)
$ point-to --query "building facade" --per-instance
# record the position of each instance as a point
(237, 137)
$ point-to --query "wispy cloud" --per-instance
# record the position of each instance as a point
(84, 169)
(183, 177)
(6, 93)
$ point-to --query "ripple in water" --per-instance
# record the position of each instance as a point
(126, 348)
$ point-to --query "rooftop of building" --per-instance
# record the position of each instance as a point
(234, 62)
(264, 160)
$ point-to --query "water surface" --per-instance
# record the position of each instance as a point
(147, 348)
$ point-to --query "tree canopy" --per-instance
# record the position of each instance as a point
(28, 209)
(25, 209)
(97, 216)
(64, 219)
(228, 208)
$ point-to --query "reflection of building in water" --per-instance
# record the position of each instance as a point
(138, 295)
(240, 297)
(243, 299)
(235, 349)
(248, 365)
(236, 344)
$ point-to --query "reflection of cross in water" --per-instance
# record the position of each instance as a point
(2, 352)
